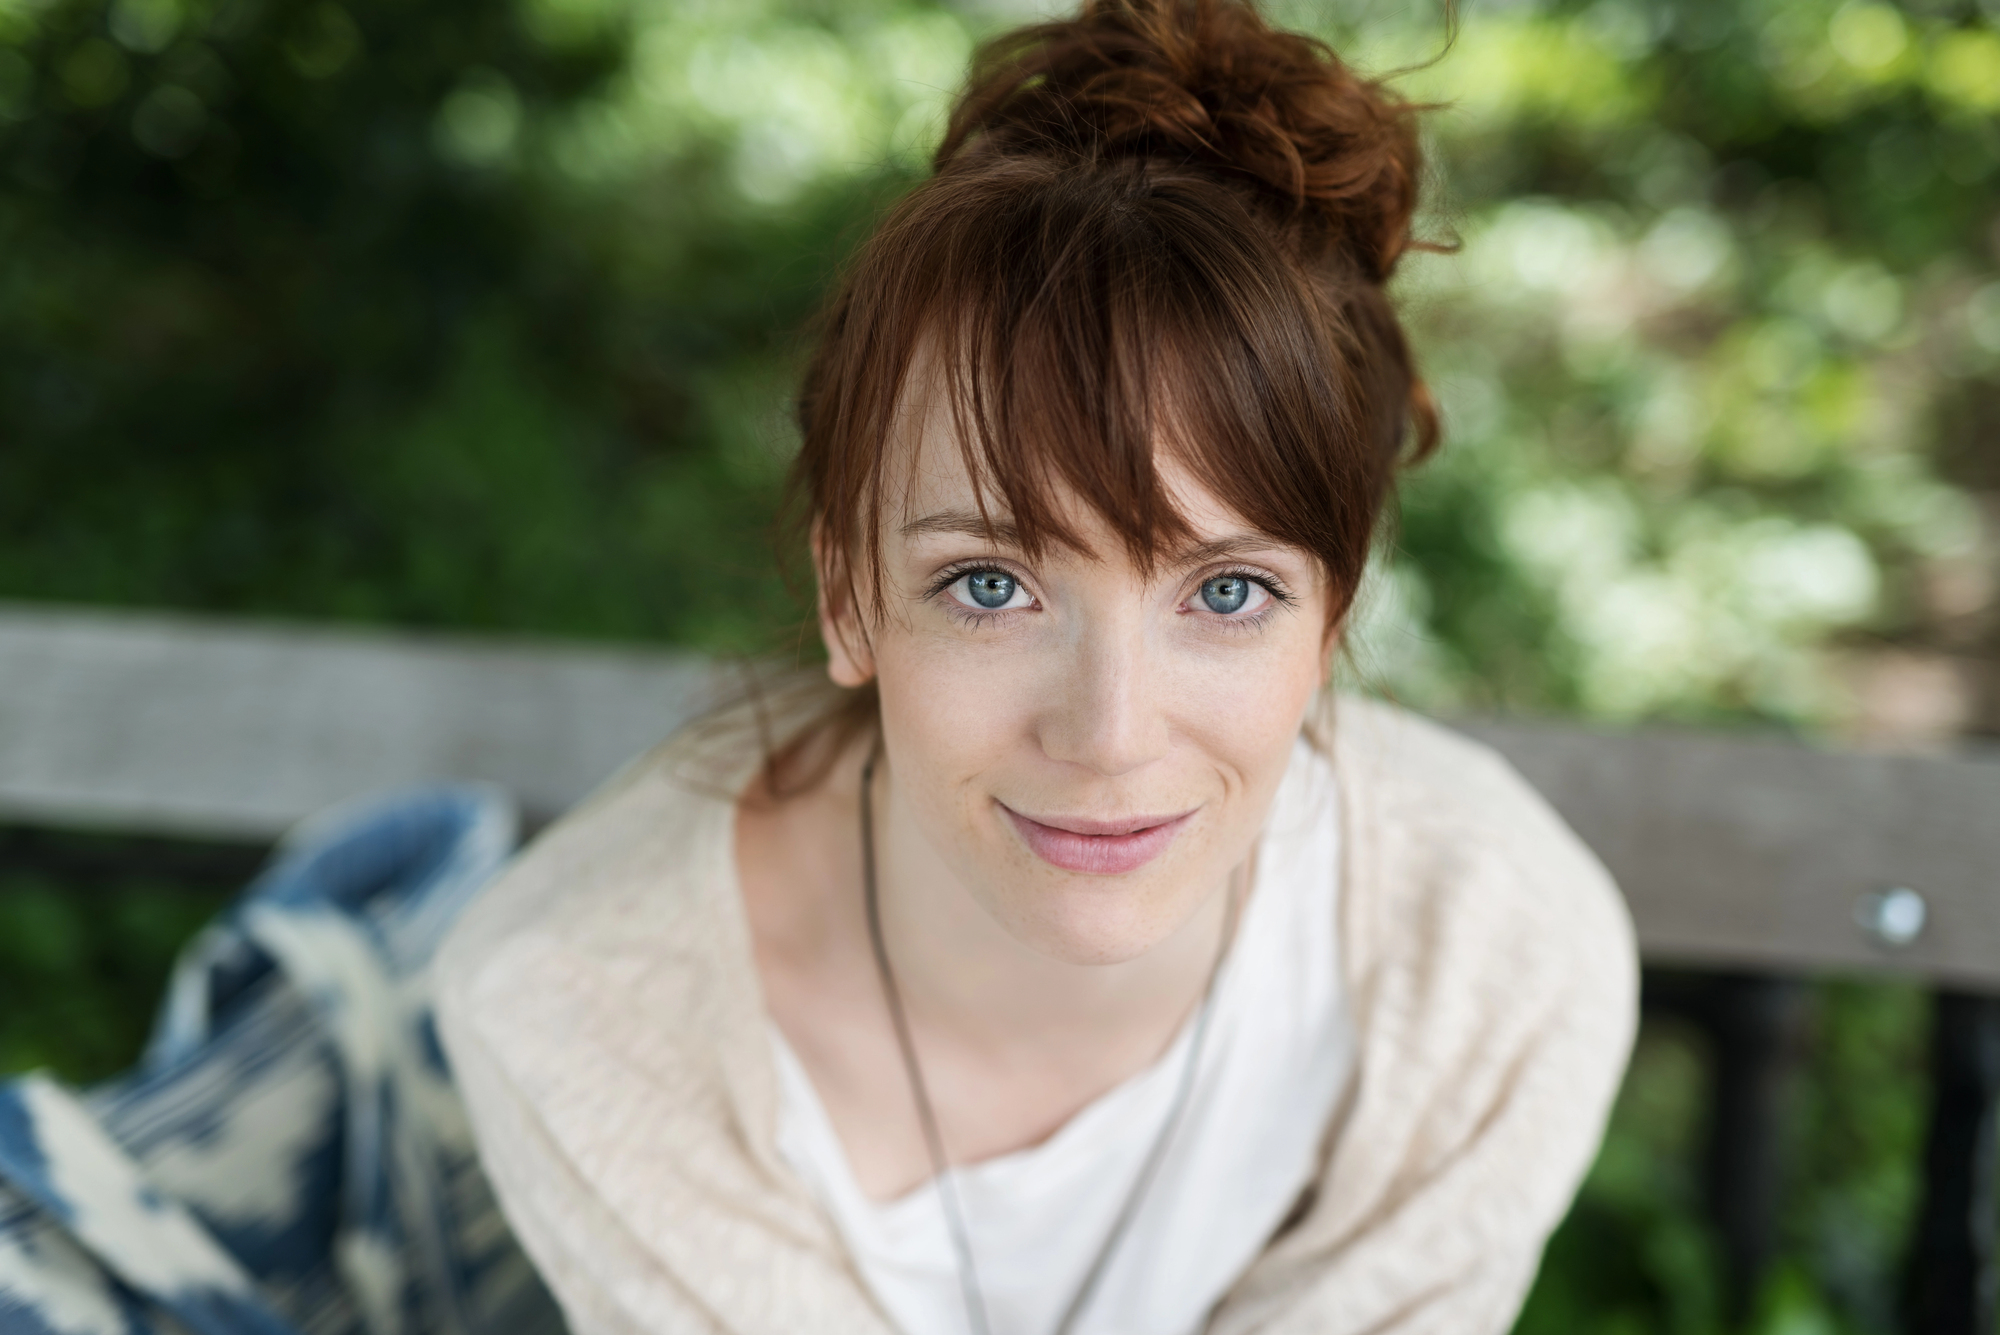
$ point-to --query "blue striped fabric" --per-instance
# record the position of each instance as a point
(289, 1158)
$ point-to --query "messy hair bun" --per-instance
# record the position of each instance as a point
(1327, 153)
(1160, 227)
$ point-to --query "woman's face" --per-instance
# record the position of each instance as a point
(1089, 749)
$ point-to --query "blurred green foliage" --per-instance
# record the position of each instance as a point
(81, 971)
(483, 313)
(1719, 351)
(1634, 1255)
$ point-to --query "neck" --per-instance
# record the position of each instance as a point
(960, 969)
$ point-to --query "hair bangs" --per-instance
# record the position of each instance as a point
(1078, 332)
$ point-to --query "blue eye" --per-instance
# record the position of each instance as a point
(990, 588)
(1225, 593)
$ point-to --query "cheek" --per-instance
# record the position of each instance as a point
(1242, 703)
(950, 711)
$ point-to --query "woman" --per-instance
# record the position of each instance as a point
(1070, 963)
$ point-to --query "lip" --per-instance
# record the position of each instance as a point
(1098, 847)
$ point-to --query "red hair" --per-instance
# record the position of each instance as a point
(1162, 223)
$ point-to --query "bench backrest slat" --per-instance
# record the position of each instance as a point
(176, 725)
(1731, 852)
(1758, 853)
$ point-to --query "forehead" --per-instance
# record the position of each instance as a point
(943, 484)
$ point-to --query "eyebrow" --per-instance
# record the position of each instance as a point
(964, 523)
(1218, 549)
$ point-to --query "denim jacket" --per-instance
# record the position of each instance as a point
(290, 1156)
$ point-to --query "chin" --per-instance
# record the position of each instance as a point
(1096, 920)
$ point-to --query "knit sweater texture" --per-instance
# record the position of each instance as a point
(601, 1010)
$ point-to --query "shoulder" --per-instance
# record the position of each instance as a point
(633, 891)
(1492, 981)
(632, 856)
(599, 1006)
(1450, 843)
(1422, 773)
(555, 981)
(1488, 952)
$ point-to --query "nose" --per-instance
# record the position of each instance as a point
(1104, 712)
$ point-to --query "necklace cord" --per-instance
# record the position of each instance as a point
(954, 1211)
(1184, 1089)
(947, 1188)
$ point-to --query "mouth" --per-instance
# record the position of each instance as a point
(1102, 848)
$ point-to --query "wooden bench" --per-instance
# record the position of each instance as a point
(1761, 863)
(1755, 863)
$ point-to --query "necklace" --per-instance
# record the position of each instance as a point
(954, 1211)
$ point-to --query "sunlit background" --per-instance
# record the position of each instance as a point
(482, 314)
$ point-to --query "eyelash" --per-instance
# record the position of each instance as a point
(957, 571)
(1281, 597)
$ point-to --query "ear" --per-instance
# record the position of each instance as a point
(1329, 649)
(850, 660)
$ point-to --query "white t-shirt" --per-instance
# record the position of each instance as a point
(1277, 1057)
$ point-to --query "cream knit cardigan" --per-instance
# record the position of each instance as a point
(602, 1014)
